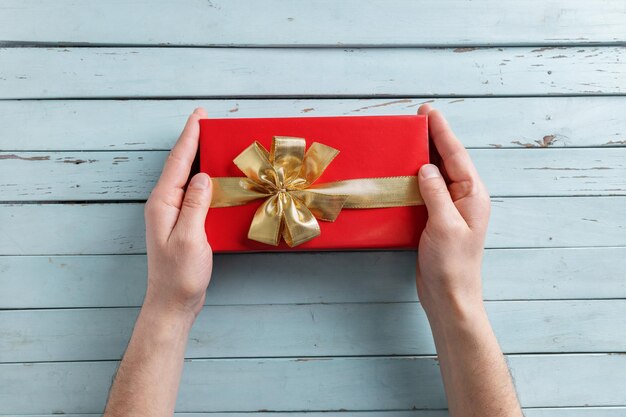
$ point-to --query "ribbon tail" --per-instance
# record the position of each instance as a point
(267, 221)
(300, 224)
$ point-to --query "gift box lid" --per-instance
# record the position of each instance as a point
(369, 147)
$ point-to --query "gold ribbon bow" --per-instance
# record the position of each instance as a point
(284, 176)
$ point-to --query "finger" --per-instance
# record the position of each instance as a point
(178, 164)
(435, 194)
(195, 207)
(424, 109)
(456, 160)
(162, 210)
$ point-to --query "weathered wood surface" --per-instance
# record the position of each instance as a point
(324, 340)
(311, 72)
(119, 228)
(312, 330)
(312, 23)
(528, 412)
(381, 383)
(346, 277)
(93, 125)
(81, 176)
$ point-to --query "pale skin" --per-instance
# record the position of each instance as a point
(475, 374)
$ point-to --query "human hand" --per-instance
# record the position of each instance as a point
(451, 247)
(180, 259)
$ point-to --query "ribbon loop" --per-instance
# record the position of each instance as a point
(254, 162)
(286, 156)
(284, 176)
(316, 160)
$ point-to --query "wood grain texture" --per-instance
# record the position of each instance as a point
(315, 330)
(93, 176)
(92, 125)
(341, 277)
(299, 384)
(528, 412)
(527, 74)
(314, 72)
(312, 23)
(119, 228)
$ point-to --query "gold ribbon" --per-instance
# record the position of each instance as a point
(285, 177)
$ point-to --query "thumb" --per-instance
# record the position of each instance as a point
(195, 204)
(435, 192)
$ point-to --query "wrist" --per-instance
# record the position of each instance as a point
(463, 326)
(172, 303)
(167, 317)
(456, 314)
(458, 327)
(452, 307)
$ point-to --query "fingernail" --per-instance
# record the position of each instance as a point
(198, 111)
(200, 182)
(429, 171)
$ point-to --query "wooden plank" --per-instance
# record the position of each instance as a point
(388, 329)
(119, 280)
(91, 125)
(528, 412)
(72, 175)
(89, 229)
(304, 384)
(315, 72)
(557, 172)
(93, 176)
(312, 23)
(575, 412)
(416, 413)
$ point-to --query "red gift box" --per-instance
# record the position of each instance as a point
(369, 147)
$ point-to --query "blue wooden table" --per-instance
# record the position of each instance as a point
(94, 93)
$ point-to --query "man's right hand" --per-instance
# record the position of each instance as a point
(451, 247)
(474, 372)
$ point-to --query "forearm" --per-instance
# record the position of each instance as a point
(475, 374)
(149, 375)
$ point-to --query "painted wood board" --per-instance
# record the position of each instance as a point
(311, 72)
(92, 125)
(528, 412)
(312, 23)
(575, 412)
(84, 229)
(316, 330)
(299, 384)
(93, 176)
(551, 380)
(337, 277)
